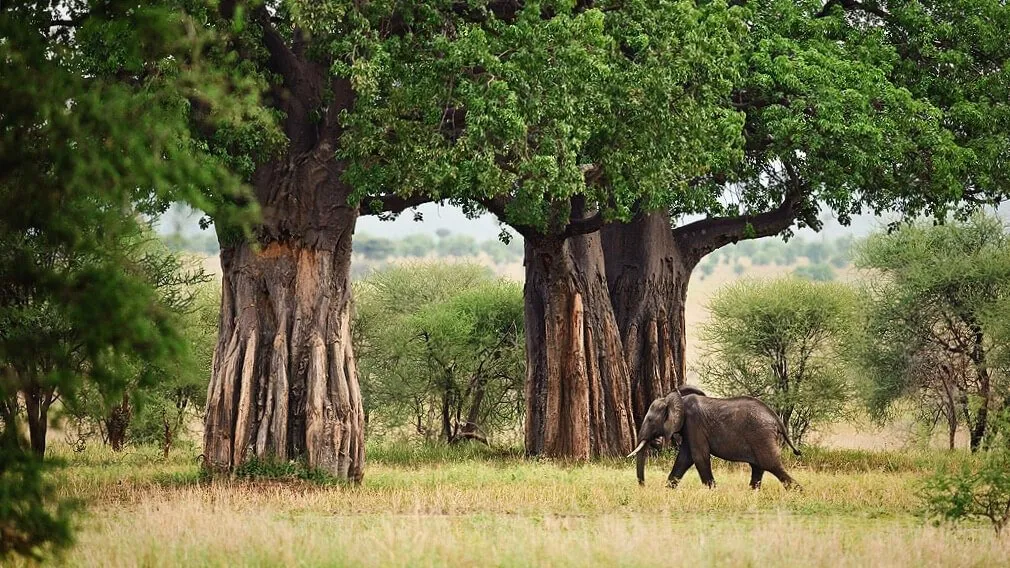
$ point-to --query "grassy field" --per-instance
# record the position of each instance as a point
(431, 506)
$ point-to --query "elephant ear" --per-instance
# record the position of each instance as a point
(674, 414)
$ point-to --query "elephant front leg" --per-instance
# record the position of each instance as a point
(704, 464)
(756, 473)
(680, 467)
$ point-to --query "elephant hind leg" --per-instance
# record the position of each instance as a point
(756, 473)
(787, 481)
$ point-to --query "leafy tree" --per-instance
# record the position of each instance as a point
(782, 341)
(550, 116)
(441, 350)
(706, 269)
(458, 245)
(932, 298)
(78, 162)
(164, 409)
(157, 412)
(819, 272)
(374, 248)
(416, 246)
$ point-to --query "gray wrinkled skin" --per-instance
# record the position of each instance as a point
(740, 429)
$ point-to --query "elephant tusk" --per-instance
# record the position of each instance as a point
(638, 449)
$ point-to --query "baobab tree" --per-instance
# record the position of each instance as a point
(558, 119)
(849, 107)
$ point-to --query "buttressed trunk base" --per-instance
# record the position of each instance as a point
(285, 382)
(578, 402)
(648, 276)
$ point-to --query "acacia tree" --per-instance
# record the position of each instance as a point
(936, 289)
(440, 349)
(782, 341)
(848, 106)
(556, 117)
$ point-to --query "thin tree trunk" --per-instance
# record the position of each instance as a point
(648, 277)
(978, 357)
(38, 399)
(578, 400)
(446, 414)
(476, 400)
(117, 423)
(167, 436)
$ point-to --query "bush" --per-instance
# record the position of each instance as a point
(781, 341)
(979, 492)
(32, 523)
(441, 351)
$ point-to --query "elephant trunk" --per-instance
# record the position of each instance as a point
(640, 459)
(645, 434)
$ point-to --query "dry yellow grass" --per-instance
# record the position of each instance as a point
(474, 510)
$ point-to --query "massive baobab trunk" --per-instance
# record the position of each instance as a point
(578, 402)
(648, 275)
(285, 384)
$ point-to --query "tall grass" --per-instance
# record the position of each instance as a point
(470, 505)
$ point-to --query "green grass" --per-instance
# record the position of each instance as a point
(475, 506)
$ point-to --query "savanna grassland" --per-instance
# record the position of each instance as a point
(429, 506)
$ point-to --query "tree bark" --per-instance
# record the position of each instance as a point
(38, 399)
(648, 276)
(649, 266)
(117, 423)
(285, 382)
(978, 357)
(578, 401)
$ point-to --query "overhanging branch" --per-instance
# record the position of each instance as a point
(390, 203)
(498, 205)
(706, 235)
(584, 226)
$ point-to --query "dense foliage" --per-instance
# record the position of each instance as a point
(441, 351)
(979, 490)
(782, 341)
(78, 162)
(936, 298)
(524, 106)
(822, 256)
(157, 402)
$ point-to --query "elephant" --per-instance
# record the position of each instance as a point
(741, 429)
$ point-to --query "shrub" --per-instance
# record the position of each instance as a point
(979, 492)
(781, 341)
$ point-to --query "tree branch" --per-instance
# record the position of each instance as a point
(706, 235)
(498, 205)
(584, 226)
(283, 61)
(855, 5)
(390, 203)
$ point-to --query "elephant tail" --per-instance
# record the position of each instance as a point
(785, 436)
(790, 442)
